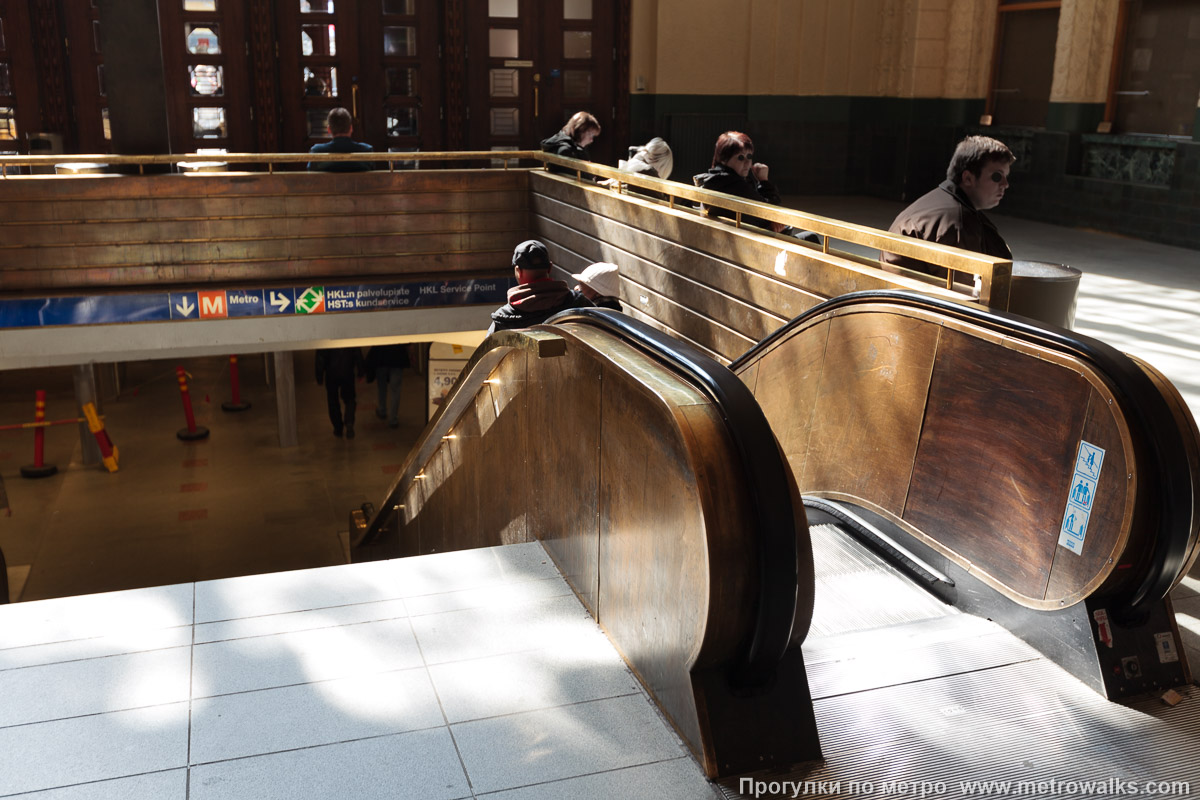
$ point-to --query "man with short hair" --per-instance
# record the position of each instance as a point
(536, 297)
(952, 213)
(341, 127)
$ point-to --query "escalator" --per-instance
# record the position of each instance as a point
(955, 625)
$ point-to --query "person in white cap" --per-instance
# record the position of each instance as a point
(653, 158)
(601, 283)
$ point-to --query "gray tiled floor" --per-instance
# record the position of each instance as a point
(380, 680)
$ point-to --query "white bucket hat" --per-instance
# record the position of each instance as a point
(602, 278)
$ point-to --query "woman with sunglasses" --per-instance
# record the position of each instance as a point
(735, 172)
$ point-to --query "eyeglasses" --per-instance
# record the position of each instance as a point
(997, 177)
(745, 156)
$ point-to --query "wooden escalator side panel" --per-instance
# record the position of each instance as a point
(965, 438)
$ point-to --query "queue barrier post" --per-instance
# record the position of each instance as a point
(39, 469)
(235, 402)
(193, 431)
(108, 450)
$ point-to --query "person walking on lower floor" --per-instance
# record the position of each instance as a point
(337, 369)
(387, 363)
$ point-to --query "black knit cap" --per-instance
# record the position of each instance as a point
(531, 254)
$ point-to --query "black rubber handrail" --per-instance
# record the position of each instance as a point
(1140, 401)
(767, 479)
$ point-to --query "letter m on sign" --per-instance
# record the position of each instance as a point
(212, 305)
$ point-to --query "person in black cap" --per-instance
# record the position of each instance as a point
(536, 297)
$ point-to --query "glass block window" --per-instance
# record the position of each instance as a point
(100, 80)
(400, 81)
(202, 39)
(8, 123)
(316, 118)
(209, 123)
(399, 7)
(577, 84)
(199, 5)
(502, 8)
(316, 6)
(503, 43)
(1, 34)
(320, 82)
(577, 9)
(318, 39)
(399, 40)
(5, 82)
(577, 44)
(505, 122)
(105, 124)
(206, 80)
(502, 83)
(401, 120)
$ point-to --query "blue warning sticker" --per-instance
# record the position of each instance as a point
(1081, 497)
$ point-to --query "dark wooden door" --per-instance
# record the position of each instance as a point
(531, 65)
(89, 96)
(1021, 94)
(19, 110)
(205, 50)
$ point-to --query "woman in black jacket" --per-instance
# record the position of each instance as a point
(735, 172)
(573, 140)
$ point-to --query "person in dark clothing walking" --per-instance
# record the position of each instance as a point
(341, 128)
(337, 369)
(537, 297)
(386, 364)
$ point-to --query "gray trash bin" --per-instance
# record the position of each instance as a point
(1045, 292)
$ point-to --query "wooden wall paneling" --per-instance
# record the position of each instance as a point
(23, 74)
(647, 235)
(49, 36)
(986, 403)
(566, 416)
(658, 325)
(264, 72)
(571, 248)
(454, 59)
(439, 508)
(866, 418)
(508, 436)
(1072, 577)
(807, 268)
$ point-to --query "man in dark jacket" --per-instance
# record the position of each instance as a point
(386, 364)
(338, 368)
(341, 127)
(536, 297)
(952, 213)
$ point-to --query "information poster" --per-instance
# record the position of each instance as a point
(446, 362)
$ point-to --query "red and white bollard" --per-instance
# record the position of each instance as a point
(192, 431)
(235, 402)
(39, 469)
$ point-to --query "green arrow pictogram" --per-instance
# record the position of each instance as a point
(310, 300)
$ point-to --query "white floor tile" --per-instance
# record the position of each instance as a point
(76, 688)
(680, 779)
(489, 687)
(482, 632)
(422, 765)
(299, 621)
(299, 590)
(504, 595)
(262, 662)
(464, 570)
(273, 720)
(94, 615)
(67, 752)
(564, 742)
(98, 647)
(169, 785)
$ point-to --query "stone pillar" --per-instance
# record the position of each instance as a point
(85, 392)
(1082, 57)
(285, 399)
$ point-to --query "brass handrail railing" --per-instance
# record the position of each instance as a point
(994, 273)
